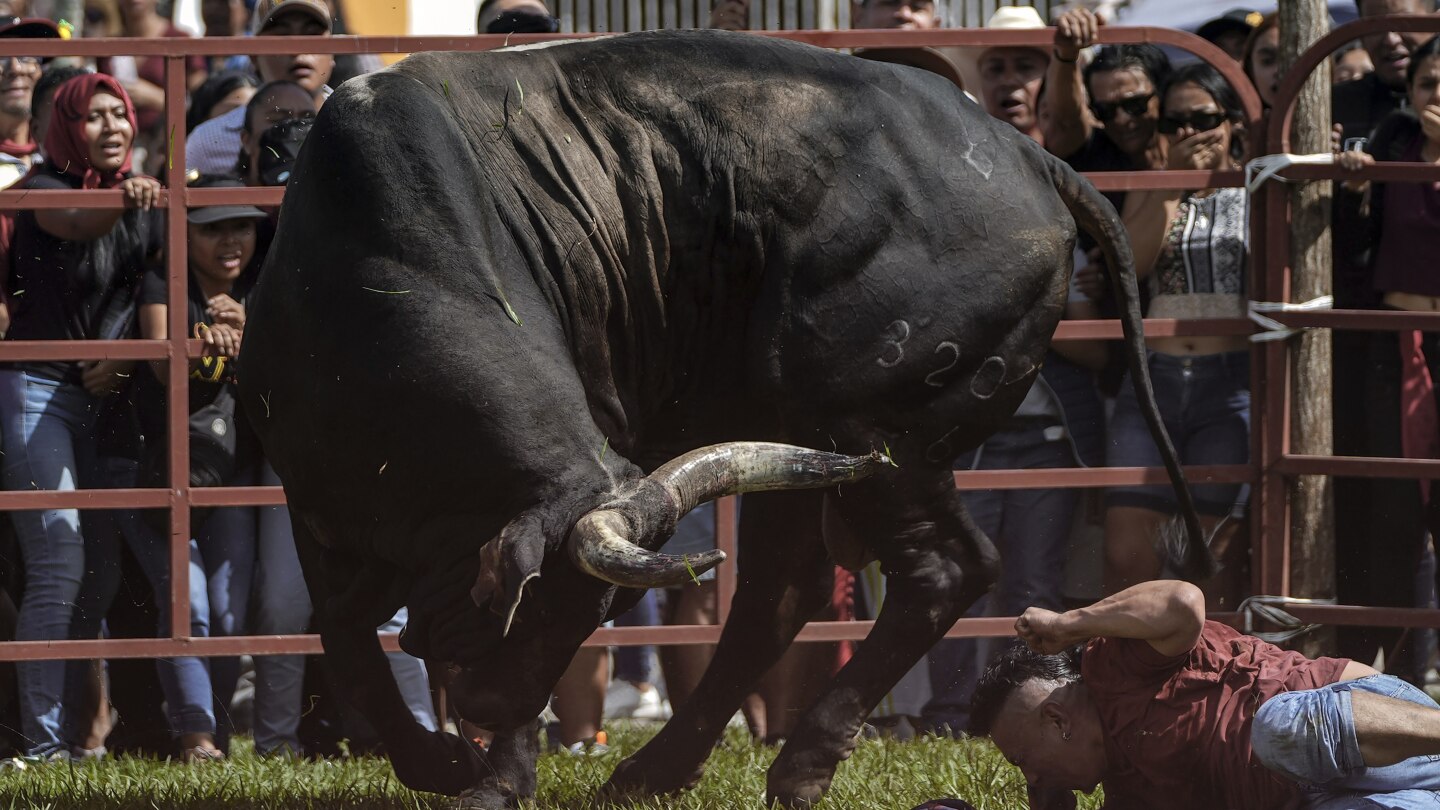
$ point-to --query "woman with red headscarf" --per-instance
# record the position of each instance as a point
(75, 277)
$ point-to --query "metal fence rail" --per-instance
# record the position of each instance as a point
(1270, 459)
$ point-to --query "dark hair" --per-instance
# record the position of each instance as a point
(1207, 78)
(1016, 666)
(1148, 58)
(53, 77)
(1429, 49)
(215, 88)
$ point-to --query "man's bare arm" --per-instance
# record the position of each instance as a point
(1067, 124)
(1168, 614)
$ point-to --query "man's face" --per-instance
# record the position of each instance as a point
(309, 70)
(1390, 51)
(1028, 732)
(1115, 95)
(894, 14)
(1010, 81)
(18, 75)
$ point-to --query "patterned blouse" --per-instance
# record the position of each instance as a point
(1206, 246)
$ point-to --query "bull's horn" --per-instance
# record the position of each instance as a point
(601, 544)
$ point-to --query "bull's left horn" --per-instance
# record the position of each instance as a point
(601, 543)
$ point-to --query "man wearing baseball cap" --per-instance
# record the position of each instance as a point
(18, 75)
(213, 146)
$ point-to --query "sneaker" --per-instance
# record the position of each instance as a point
(22, 763)
(593, 747)
(623, 701)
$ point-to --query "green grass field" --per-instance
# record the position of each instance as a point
(882, 774)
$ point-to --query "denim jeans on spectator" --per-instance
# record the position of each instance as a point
(1205, 403)
(49, 445)
(1031, 530)
(222, 556)
(1308, 736)
(636, 664)
(282, 607)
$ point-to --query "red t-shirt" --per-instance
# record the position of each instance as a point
(1177, 730)
(152, 69)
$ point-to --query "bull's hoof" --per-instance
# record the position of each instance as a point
(799, 780)
(497, 796)
(439, 763)
(798, 794)
(634, 781)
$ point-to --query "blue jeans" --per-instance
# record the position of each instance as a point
(1309, 738)
(1205, 404)
(282, 607)
(1031, 530)
(49, 445)
(222, 556)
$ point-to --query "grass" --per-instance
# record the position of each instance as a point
(881, 774)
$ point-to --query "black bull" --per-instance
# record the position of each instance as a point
(506, 286)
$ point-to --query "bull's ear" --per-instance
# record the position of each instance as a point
(507, 564)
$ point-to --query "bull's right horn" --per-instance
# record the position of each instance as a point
(601, 544)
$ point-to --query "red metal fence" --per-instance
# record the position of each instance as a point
(1272, 462)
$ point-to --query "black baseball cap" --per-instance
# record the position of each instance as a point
(220, 213)
(1243, 20)
(29, 28)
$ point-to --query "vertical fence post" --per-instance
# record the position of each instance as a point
(178, 374)
(727, 525)
(1311, 536)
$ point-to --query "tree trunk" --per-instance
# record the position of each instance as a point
(1312, 536)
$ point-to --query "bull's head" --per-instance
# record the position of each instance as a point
(612, 545)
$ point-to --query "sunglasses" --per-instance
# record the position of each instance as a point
(1134, 106)
(1200, 122)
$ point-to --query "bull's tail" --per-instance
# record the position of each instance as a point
(1095, 214)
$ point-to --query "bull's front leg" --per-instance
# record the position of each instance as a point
(937, 563)
(785, 579)
(352, 598)
(509, 771)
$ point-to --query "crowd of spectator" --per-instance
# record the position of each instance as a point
(94, 274)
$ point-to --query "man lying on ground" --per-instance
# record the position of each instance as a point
(1166, 709)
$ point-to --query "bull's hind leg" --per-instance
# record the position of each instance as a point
(785, 579)
(424, 760)
(936, 563)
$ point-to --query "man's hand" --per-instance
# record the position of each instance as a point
(730, 15)
(1090, 280)
(1044, 631)
(1354, 161)
(1075, 31)
(102, 377)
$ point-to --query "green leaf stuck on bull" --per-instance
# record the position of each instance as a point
(689, 569)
